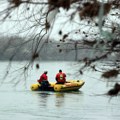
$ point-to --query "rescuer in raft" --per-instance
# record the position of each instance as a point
(44, 81)
(60, 77)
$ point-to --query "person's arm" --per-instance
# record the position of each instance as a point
(46, 77)
(64, 75)
(56, 78)
(40, 80)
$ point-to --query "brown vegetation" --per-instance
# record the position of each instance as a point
(60, 3)
(110, 73)
(93, 9)
(115, 90)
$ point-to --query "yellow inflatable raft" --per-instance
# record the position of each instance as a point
(70, 85)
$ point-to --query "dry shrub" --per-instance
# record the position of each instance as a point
(65, 4)
(107, 8)
(115, 90)
(60, 3)
(89, 43)
(92, 9)
(110, 73)
(34, 56)
(37, 66)
(16, 2)
(60, 50)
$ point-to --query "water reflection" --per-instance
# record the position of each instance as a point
(55, 99)
(59, 99)
(62, 97)
(43, 98)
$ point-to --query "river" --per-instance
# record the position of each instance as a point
(20, 103)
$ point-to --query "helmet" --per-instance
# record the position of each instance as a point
(45, 72)
(60, 70)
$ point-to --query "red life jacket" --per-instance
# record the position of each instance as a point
(61, 77)
(43, 77)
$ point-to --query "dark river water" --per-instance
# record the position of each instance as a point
(89, 103)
